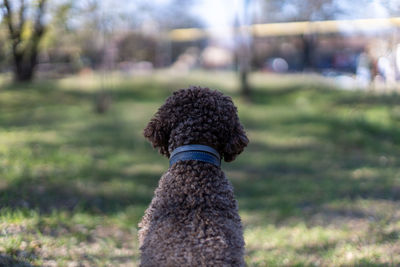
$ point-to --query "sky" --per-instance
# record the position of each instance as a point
(220, 13)
(217, 13)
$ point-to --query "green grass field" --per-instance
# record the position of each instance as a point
(319, 184)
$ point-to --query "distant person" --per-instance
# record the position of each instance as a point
(386, 70)
(397, 60)
(363, 70)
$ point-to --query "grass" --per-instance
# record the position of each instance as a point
(319, 183)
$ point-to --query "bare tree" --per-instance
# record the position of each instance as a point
(244, 41)
(25, 51)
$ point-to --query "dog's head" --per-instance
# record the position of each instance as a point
(197, 116)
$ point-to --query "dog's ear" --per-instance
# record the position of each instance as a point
(157, 133)
(236, 142)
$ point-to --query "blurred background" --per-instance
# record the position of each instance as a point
(354, 42)
(317, 88)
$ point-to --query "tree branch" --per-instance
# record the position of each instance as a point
(25, 56)
(8, 17)
(22, 15)
(38, 27)
(15, 33)
(38, 31)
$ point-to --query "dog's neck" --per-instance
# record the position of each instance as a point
(195, 152)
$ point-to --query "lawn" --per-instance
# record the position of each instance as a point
(319, 183)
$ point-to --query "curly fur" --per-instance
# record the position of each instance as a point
(193, 218)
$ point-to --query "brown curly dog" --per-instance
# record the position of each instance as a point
(193, 218)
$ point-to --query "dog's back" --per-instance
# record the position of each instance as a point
(193, 220)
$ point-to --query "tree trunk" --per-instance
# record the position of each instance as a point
(308, 49)
(24, 73)
(244, 40)
(244, 84)
(24, 70)
(244, 68)
(25, 57)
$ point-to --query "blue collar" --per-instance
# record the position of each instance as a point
(195, 152)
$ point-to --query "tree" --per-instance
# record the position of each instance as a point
(25, 35)
(317, 10)
(243, 47)
(4, 55)
(171, 14)
(312, 10)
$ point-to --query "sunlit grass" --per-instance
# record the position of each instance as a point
(319, 183)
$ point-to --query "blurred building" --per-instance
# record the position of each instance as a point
(369, 48)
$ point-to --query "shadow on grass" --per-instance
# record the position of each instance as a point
(304, 195)
(288, 180)
(144, 92)
(100, 185)
(295, 179)
(355, 134)
(318, 249)
(69, 193)
(263, 97)
(13, 261)
(288, 94)
(370, 99)
(38, 104)
(140, 91)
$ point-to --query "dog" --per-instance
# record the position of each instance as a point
(193, 217)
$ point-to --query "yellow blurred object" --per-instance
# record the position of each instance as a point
(190, 34)
(296, 28)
